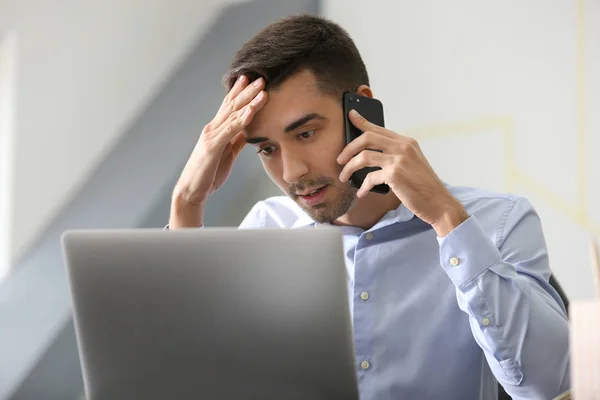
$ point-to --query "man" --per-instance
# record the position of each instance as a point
(449, 286)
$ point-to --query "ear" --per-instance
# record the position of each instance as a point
(364, 90)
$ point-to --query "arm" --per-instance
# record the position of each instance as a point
(184, 214)
(256, 218)
(211, 161)
(516, 317)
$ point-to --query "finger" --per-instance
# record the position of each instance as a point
(238, 143)
(238, 120)
(233, 148)
(365, 158)
(249, 93)
(372, 179)
(367, 141)
(238, 102)
(237, 88)
(227, 155)
(364, 125)
(234, 125)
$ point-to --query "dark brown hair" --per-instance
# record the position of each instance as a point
(295, 43)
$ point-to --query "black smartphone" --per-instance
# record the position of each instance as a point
(372, 110)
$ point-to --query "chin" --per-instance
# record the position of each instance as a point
(322, 216)
(333, 209)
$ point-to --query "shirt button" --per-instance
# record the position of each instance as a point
(369, 236)
(485, 321)
(454, 261)
(365, 365)
(364, 295)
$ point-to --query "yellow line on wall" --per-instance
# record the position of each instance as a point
(582, 165)
(556, 202)
(510, 162)
(512, 173)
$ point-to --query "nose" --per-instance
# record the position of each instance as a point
(294, 167)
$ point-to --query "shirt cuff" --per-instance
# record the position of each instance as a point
(467, 252)
(166, 228)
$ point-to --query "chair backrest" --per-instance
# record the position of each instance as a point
(554, 283)
(502, 395)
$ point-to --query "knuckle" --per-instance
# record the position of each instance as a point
(363, 156)
(398, 163)
(413, 142)
(232, 118)
(368, 136)
(208, 127)
(232, 106)
(228, 129)
(404, 146)
(245, 116)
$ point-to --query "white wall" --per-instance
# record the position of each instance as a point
(501, 94)
(85, 69)
(8, 69)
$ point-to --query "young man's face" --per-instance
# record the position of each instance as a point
(299, 133)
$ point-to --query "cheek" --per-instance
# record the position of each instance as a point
(328, 153)
(273, 169)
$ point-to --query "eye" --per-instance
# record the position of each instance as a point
(266, 151)
(306, 134)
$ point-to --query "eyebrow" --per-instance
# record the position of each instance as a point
(256, 140)
(294, 125)
(301, 121)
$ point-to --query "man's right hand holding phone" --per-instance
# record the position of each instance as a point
(212, 159)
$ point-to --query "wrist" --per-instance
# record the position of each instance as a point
(450, 219)
(184, 213)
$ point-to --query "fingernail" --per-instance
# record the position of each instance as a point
(241, 78)
(258, 82)
(354, 113)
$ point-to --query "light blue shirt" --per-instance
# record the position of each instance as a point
(445, 318)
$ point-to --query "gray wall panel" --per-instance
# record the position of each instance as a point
(131, 188)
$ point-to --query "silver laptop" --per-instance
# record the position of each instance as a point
(216, 313)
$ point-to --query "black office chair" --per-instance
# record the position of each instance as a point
(502, 395)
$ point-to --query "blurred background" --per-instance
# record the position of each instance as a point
(101, 103)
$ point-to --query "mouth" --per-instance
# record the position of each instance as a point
(314, 197)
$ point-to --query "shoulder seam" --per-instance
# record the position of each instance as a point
(500, 232)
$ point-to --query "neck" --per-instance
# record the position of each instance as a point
(367, 211)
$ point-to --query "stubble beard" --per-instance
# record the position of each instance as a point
(343, 197)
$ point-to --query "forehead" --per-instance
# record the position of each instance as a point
(296, 97)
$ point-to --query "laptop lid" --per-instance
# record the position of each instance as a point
(212, 313)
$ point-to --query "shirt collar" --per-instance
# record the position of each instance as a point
(403, 214)
(400, 214)
(304, 221)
